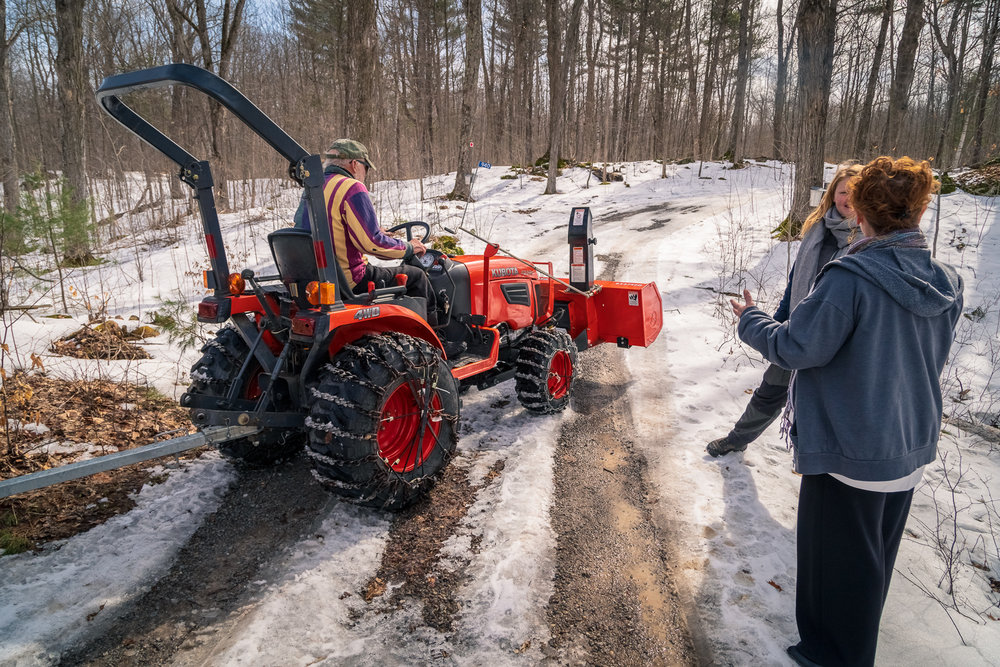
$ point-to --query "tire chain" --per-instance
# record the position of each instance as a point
(393, 341)
(536, 345)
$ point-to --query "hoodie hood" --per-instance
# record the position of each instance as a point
(915, 280)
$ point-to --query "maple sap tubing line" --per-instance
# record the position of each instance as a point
(523, 261)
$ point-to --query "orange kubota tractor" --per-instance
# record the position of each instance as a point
(363, 381)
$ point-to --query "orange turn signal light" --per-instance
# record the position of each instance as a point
(236, 284)
(327, 293)
(312, 292)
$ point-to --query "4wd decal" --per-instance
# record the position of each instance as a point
(366, 313)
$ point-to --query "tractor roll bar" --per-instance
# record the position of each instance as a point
(305, 168)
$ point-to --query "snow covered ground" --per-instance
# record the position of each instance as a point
(697, 235)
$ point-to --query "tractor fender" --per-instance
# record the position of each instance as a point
(348, 325)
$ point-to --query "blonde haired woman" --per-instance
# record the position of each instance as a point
(826, 234)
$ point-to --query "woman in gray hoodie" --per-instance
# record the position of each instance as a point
(867, 346)
(826, 234)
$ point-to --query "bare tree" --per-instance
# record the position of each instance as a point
(954, 44)
(781, 84)
(746, 21)
(181, 40)
(861, 138)
(229, 24)
(902, 76)
(73, 90)
(470, 86)
(990, 37)
(8, 142)
(816, 25)
(559, 63)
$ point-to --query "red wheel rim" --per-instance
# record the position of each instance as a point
(399, 430)
(560, 374)
(252, 389)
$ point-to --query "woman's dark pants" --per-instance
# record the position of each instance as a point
(765, 405)
(847, 541)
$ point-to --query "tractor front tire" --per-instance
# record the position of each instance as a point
(382, 420)
(213, 375)
(545, 370)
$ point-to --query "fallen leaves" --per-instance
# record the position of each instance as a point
(43, 410)
(107, 340)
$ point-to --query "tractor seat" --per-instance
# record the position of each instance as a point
(293, 253)
(292, 249)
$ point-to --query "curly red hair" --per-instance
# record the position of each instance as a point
(892, 194)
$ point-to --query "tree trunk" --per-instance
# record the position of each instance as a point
(692, 80)
(862, 146)
(181, 45)
(816, 25)
(733, 148)
(559, 64)
(470, 89)
(991, 34)
(8, 142)
(229, 25)
(364, 59)
(954, 54)
(781, 88)
(73, 89)
(899, 90)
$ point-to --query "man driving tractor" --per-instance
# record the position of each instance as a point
(355, 229)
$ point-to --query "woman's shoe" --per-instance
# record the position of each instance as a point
(723, 446)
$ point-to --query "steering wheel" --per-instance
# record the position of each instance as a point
(408, 226)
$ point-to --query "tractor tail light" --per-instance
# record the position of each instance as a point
(208, 310)
(303, 326)
(312, 292)
(236, 284)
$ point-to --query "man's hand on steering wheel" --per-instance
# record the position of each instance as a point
(418, 248)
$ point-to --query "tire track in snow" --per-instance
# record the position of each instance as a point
(218, 571)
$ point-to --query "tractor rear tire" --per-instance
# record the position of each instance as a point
(214, 374)
(545, 370)
(382, 422)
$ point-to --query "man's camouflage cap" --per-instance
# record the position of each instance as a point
(348, 149)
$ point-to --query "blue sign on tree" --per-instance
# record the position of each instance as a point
(485, 165)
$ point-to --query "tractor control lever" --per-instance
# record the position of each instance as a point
(269, 314)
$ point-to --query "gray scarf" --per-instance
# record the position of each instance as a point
(809, 259)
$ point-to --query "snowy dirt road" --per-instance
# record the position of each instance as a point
(611, 600)
(441, 582)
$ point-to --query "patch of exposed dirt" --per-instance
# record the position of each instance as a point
(410, 559)
(41, 412)
(614, 602)
(658, 223)
(108, 340)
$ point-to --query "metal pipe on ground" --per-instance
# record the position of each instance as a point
(43, 478)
